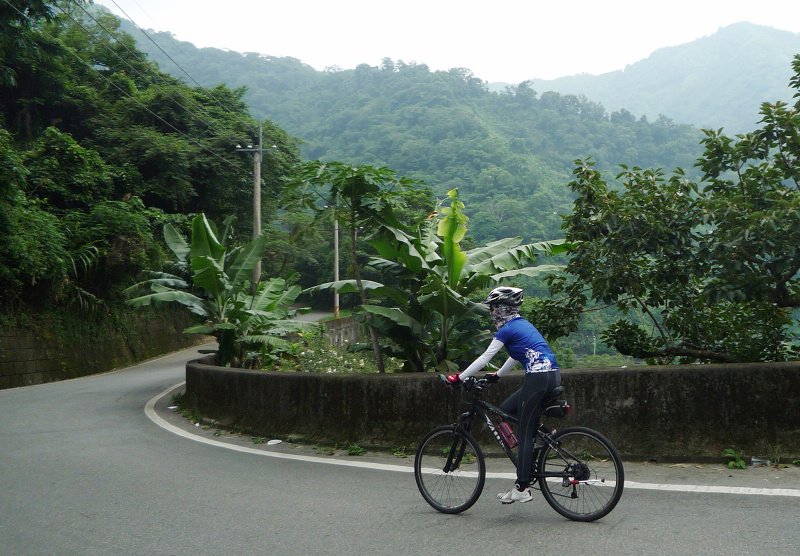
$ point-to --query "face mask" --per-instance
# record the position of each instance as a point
(501, 314)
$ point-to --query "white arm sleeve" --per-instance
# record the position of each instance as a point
(507, 366)
(483, 359)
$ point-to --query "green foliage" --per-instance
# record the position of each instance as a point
(753, 201)
(735, 459)
(65, 174)
(640, 251)
(427, 317)
(354, 450)
(97, 145)
(79, 257)
(34, 249)
(247, 326)
(508, 152)
(566, 357)
(12, 173)
(122, 235)
(311, 353)
(365, 197)
(604, 360)
(711, 267)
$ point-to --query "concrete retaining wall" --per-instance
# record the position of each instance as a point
(45, 352)
(662, 413)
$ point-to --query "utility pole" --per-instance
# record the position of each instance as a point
(335, 263)
(257, 154)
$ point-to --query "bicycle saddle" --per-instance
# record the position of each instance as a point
(553, 394)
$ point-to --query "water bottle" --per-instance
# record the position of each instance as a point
(507, 434)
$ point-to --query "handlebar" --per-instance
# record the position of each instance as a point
(468, 383)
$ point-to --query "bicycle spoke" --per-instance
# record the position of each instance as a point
(591, 472)
(458, 489)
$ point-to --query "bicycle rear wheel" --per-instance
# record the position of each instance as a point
(592, 475)
(449, 469)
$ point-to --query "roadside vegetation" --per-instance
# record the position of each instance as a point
(113, 176)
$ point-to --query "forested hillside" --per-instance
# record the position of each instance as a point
(716, 81)
(105, 159)
(98, 149)
(510, 153)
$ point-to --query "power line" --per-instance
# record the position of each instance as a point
(168, 56)
(149, 68)
(125, 93)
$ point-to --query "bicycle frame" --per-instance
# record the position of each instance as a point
(578, 470)
(480, 408)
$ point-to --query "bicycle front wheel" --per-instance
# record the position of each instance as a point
(450, 469)
(582, 474)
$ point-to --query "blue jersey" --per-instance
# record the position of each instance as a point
(526, 344)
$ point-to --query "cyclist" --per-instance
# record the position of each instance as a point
(525, 345)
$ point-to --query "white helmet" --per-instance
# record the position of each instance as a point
(505, 295)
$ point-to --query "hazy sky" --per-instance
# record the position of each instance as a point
(499, 40)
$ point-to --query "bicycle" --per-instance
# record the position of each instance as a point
(577, 469)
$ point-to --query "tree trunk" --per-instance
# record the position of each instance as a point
(226, 351)
(373, 334)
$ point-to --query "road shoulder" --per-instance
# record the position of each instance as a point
(782, 480)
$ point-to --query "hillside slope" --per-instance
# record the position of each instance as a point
(510, 152)
(716, 81)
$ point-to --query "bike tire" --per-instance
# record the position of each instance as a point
(457, 490)
(595, 474)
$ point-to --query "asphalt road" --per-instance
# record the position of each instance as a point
(84, 470)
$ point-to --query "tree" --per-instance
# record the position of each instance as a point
(218, 294)
(39, 257)
(427, 316)
(446, 128)
(713, 267)
(363, 196)
(65, 174)
(17, 41)
(98, 148)
(752, 202)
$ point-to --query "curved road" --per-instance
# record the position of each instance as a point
(84, 470)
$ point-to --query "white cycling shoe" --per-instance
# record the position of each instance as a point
(515, 495)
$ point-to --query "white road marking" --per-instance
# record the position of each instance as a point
(715, 489)
(150, 411)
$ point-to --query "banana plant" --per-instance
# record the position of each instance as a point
(426, 313)
(220, 296)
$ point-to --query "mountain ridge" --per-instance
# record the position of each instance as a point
(716, 81)
(511, 153)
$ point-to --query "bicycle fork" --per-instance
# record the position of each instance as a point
(453, 460)
(458, 446)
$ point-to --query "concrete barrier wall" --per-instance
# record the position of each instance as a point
(49, 351)
(662, 413)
